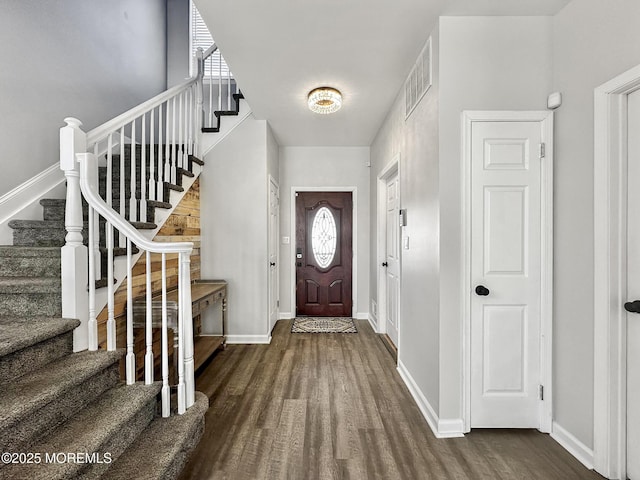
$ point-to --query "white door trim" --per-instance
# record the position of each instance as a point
(546, 275)
(387, 172)
(610, 226)
(354, 244)
(274, 182)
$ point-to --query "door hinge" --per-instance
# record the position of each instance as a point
(277, 303)
(541, 392)
(542, 150)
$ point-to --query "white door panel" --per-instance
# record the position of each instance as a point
(633, 289)
(274, 229)
(392, 260)
(506, 260)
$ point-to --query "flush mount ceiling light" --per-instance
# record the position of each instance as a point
(324, 100)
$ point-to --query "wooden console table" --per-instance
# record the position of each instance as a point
(204, 295)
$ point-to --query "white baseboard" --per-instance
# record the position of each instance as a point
(286, 315)
(27, 194)
(450, 428)
(440, 428)
(373, 321)
(248, 339)
(362, 315)
(574, 446)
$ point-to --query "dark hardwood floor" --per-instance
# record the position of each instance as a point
(332, 406)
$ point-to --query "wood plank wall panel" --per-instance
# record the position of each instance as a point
(183, 225)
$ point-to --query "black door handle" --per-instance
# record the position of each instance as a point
(385, 264)
(273, 264)
(633, 307)
(482, 290)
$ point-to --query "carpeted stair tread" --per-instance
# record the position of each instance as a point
(18, 333)
(159, 204)
(39, 252)
(18, 261)
(161, 450)
(108, 425)
(21, 285)
(31, 392)
(144, 225)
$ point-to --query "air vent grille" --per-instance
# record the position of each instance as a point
(419, 79)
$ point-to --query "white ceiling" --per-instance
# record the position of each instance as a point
(279, 50)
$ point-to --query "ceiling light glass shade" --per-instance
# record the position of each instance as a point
(324, 100)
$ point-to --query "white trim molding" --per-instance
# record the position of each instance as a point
(12, 202)
(248, 339)
(610, 252)
(574, 446)
(449, 428)
(373, 321)
(546, 241)
(286, 315)
(391, 169)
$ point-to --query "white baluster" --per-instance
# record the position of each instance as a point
(210, 59)
(152, 157)
(133, 212)
(148, 358)
(122, 184)
(143, 171)
(165, 393)
(111, 322)
(228, 85)
(174, 153)
(93, 326)
(131, 357)
(74, 254)
(182, 400)
(219, 80)
(96, 236)
(180, 131)
(187, 329)
(167, 148)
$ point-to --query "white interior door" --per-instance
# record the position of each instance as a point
(633, 288)
(392, 258)
(505, 273)
(274, 233)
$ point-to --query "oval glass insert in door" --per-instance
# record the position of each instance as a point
(324, 237)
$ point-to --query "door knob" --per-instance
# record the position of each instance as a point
(482, 290)
(633, 307)
(385, 264)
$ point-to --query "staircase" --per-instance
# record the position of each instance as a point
(55, 403)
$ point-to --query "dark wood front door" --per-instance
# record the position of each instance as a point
(323, 253)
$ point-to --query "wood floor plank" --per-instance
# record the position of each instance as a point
(333, 407)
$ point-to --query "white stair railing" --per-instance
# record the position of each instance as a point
(157, 139)
(219, 87)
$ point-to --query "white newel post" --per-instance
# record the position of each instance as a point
(199, 115)
(74, 257)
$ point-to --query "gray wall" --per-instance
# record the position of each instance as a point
(416, 140)
(89, 59)
(234, 203)
(325, 167)
(486, 63)
(480, 63)
(594, 42)
(178, 41)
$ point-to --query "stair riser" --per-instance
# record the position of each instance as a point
(29, 267)
(31, 358)
(18, 436)
(31, 304)
(39, 237)
(118, 443)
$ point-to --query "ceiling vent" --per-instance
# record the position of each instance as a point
(419, 79)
